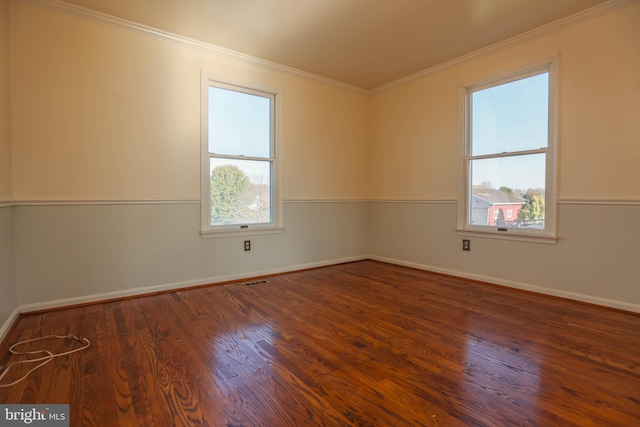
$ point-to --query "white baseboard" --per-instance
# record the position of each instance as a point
(4, 330)
(517, 285)
(47, 305)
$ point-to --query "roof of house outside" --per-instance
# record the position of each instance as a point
(495, 196)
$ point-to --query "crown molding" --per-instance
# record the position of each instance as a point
(165, 36)
(529, 35)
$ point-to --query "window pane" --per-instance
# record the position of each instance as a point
(240, 192)
(500, 185)
(510, 117)
(239, 123)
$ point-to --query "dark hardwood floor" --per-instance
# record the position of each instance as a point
(364, 343)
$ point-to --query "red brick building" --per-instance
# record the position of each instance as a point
(492, 207)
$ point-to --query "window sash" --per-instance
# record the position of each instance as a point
(271, 122)
(255, 207)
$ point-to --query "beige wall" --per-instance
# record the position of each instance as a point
(415, 125)
(105, 113)
(8, 290)
(600, 135)
(5, 118)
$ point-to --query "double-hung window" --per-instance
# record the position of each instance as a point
(509, 156)
(239, 170)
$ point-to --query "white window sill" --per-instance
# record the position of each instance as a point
(234, 232)
(548, 239)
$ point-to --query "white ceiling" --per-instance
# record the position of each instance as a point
(364, 43)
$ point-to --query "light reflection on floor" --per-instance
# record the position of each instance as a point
(239, 361)
(491, 367)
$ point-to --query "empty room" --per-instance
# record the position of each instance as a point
(301, 213)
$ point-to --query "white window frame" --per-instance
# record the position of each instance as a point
(549, 233)
(275, 226)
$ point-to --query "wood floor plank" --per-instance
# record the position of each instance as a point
(114, 400)
(357, 344)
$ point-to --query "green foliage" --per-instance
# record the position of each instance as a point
(507, 190)
(230, 196)
(533, 207)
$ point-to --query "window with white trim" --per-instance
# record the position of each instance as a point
(239, 170)
(509, 155)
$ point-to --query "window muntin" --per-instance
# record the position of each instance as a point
(509, 154)
(239, 163)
